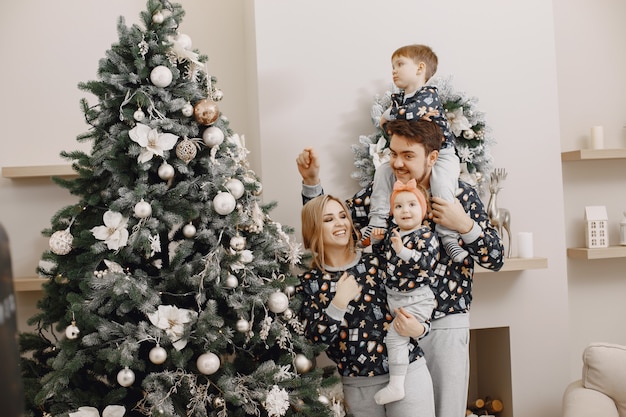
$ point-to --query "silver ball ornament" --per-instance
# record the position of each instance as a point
(71, 331)
(290, 290)
(224, 203)
(238, 242)
(231, 281)
(278, 302)
(302, 363)
(157, 355)
(143, 209)
(126, 377)
(187, 110)
(61, 242)
(235, 187)
(189, 231)
(213, 136)
(161, 76)
(166, 171)
(158, 18)
(242, 325)
(288, 314)
(208, 363)
(217, 94)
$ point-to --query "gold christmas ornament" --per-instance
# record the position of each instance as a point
(186, 150)
(206, 112)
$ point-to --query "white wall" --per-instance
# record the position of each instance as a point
(591, 61)
(301, 74)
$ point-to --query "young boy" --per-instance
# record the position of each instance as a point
(413, 66)
(410, 252)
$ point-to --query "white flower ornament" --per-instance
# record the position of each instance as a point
(151, 141)
(277, 402)
(458, 121)
(379, 152)
(114, 231)
(173, 319)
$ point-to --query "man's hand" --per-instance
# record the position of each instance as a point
(451, 214)
(309, 166)
(347, 290)
(407, 324)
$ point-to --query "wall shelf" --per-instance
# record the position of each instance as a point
(591, 154)
(597, 253)
(26, 284)
(38, 171)
(517, 264)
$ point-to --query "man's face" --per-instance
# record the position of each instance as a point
(409, 160)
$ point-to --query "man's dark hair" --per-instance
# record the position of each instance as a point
(419, 131)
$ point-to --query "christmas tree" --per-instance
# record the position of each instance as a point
(170, 290)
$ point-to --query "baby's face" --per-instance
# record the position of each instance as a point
(407, 211)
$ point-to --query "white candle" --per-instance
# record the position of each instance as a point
(525, 245)
(597, 137)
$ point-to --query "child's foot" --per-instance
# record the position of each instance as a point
(389, 394)
(456, 252)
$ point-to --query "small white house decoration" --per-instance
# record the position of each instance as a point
(596, 228)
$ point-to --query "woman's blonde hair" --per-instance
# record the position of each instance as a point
(312, 220)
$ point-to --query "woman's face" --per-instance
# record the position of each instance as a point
(336, 226)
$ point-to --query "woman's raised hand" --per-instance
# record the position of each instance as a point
(347, 290)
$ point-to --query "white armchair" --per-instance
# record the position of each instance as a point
(602, 390)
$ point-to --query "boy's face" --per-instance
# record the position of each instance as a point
(407, 211)
(406, 73)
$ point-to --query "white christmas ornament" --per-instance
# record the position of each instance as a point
(235, 187)
(114, 232)
(143, 209)
(183, 40)
(213, 136)
(290, 290)
(224, 203)
(186, 150)
(231, 281)
(139, 115)
(71, 331)
(151, 141)
(288, 314)
(189, 231)
(61, 242)
(208, 363)
(238, 242)
(161, 76)
(157, 355)
(187, 110)
(302, 363)
(166, 171)
(158, 18)
(126, 377)
(243, 325)
(278, 302)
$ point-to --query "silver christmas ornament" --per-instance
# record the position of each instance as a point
(186, 150)
(161, 76)
(238, 242)
(208, 363)
(61, 242)
(166, 171)
(278, 302)
(224, 203)
(126, 377)
(217, 94)
(213, 136)
(157, 355)
(242, 325)
(288, 314)
(302, 363)
(189, 231)
(184, 41)
(143, 209)
(71, 331)
(290, 290)
(323, 399)
(235, 187)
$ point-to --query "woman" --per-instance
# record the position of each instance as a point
(344, 306)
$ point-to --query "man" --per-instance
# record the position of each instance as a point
(414, 147)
